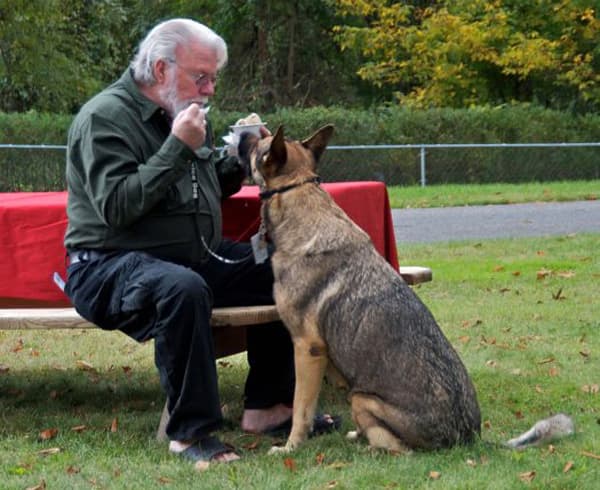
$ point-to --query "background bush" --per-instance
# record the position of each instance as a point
(43, 169)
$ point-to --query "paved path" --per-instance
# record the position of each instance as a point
(496, 221)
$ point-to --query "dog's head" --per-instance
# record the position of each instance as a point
(275, 160)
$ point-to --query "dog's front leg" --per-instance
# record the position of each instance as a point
(310, 359)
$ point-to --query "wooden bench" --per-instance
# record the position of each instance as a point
(228, 324)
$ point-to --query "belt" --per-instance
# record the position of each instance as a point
(83, 256)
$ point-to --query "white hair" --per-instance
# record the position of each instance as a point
(161, 41)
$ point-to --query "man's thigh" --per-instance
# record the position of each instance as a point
(122, 290)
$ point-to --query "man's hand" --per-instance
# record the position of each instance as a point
(190, 126)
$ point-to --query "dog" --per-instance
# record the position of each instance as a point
(348, 311)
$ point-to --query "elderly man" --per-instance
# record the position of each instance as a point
(144, 236)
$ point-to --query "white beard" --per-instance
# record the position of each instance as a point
(173, 104)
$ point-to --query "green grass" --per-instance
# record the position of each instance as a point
(473, 194)
(531, 346)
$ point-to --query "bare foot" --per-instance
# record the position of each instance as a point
(261, 420)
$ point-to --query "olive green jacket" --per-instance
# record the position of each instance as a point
(131, 182)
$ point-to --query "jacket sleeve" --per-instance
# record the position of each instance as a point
(122, 188)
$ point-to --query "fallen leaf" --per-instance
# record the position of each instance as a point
(201, 466)
(49, 451)
(593, 389)
(34, 353)
(590, 455)
(487, 424)
(320, 458)
(332, 484)
(540, 252)
(114, 425)
(73, 470)
(551, 449)
(338, 465)
(516, 273)
(538, 388)
(48, 434)
(553, 371)
(568, 466)
(566, 274)
(471, 463)
(491, 363)
(290, 464)
(85, 366)
(435, 475)
(547, 360)
(79, 428)
(18, 346)
(543, 273)
(164, 480)
(584, 353)
(518, 414)
(126, 370)
(527, 476)
(464, 339)
(498, 268)
(40, 486)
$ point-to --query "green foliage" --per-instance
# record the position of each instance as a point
(473, 52)
(43, 170)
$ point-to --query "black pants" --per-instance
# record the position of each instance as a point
(149, 298)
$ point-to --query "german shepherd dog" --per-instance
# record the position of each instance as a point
(349, 311)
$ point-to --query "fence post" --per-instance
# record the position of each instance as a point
(423, 179)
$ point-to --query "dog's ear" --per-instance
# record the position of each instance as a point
(318, 141)
(278, 151)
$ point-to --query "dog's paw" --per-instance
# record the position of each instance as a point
(352, 435)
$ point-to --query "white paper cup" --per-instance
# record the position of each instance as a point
(251, 128)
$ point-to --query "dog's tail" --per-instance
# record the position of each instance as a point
(555, 427)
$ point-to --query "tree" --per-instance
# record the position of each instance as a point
(471, 52)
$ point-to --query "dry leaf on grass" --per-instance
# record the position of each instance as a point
(568, 466)
(48, 434)
(435, 475)
(320, 458)
(566, 274)
(553, 371)
(40, 486)
(290, 464)
(50, 451)
(543, 273)
(547, 360)
(85, 366)
(590, 455)
(73, 470)
(79, 428)
(114, 425)
(592, 389)
(18, 346)
(527, 476)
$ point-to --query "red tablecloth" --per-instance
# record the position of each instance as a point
(32, 227)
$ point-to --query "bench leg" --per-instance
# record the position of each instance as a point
(161, 433)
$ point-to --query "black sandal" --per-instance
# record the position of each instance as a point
(205, 450)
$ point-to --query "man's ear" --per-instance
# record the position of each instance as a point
(318, 141)
(159, 70)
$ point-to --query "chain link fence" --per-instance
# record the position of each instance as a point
(41, 167)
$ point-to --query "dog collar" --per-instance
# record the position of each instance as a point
(280, 190)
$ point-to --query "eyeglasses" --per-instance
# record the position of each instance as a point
(200, 79)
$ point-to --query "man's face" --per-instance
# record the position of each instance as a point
(190, 78)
